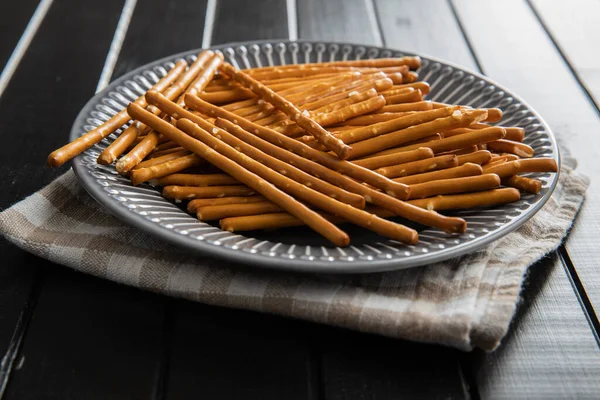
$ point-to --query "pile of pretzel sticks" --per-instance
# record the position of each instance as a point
(314, 144)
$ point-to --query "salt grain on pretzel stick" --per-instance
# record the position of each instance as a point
(201, 192)
(454, 185)
(324, 137)
(508, 146)
(196, 180)
(167, 168)
(386, 141)
(269, 191)
(278, 165)
(212, 213)
(72, 149)
(467, 169)
(528, 185)
(304, 193)
(478, 157)
(222, 201)
(393, 159)
(419, 167)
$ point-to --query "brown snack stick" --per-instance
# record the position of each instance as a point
(271, 162)
(494, 114)
(406, 107)
(376, 83)
(162, 159)
(409, 97)
(463, 151)
(454, 142)
(419, 167)
(173, 192)
(139, 152)
(426, 139)
(393, 139)
(507, 146)
(315, 156)
(394, 159)
(412, 62)
(528, 185)
(294, 79)
(167, 168)
(341, 115)
(165, 146)
(304, 193)
(486, 198)
(479, 157)
(537, 165)
(511, 157)
(221, 201)
(119, 145)
(65, 153)
(196, 180)
(161, 153)
(308, 124)
(302, 72)
(512, 132)
(205, 75)
(367, 120)
(503, 170)
(212, 213)
(252, 180)
(467, 184)
(353, 98)
(422, 86)
(411, 77)
(467, 169)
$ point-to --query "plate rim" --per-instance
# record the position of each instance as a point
(201, 248)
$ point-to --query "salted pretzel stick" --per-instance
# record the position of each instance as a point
(394, 159)
(511, 157)
(252, 180)
(463, 151)
(412, 96)
(537, 165)
(422, 86)
(410, 77)
(278, 165)
(156, 154)
(341, 115)
(353, 98)
(494, 114)
(406, 107)
(419, 167)
(389, 140)
(206, 75)
(427, 139)
(167, 168)
(507, 146)
(310, 160)
(165, 146)
(201, 192)
(196, 180)
(212, 213)
(305, 122)
(528, 185)
(119, 145)
(512, 132)
(368, 132)
(479, 157)
(365, 120)
(221, 201)
(395, 73)
(162, 159)
(504, 170)
(60, 156)
(467, 169)
(412, 62)
(467, 184)
(304, 193)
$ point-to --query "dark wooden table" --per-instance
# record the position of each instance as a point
(65, 335)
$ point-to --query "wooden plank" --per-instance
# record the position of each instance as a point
(159, 29)
(572, 120)
(576, 32)
(338, 20)
(14, 17)
(249, 20)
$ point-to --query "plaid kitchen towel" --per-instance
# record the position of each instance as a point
(465, 302)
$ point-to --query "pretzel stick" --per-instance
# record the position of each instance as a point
(211, 213)
(394, 159)
(494, 114)
(512, 132)
(503, 170)
(422, 86)
(405, 107)
(411, 77)
(463, 151)
(324, 137)
(427, 139)
(479, 157)
(65, 153)
(419, 167)
(156, 154)
(467, 184)
(196, 180)
(538, 165)
(200, 192)
(317, 199)
(276, 164)
(162, 159)
(528, 185)
(353, 98)
(335, 117)
(409, 97)
(366, 120)
(382, 142)
(243, 175)
(221, 201)
(304, 159)
(512, 157)
(412, 62)
(507, 146)
(205, 76)
(167, 168)
(467, 169)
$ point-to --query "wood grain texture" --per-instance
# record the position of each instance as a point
(14, 17)
(546, 83)
(336, 20)
(237, 21)
(577, 33)
(403, 29)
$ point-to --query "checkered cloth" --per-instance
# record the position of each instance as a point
(465, 302)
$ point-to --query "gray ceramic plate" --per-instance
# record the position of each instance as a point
(299, 248)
